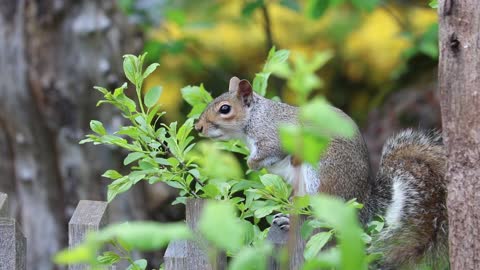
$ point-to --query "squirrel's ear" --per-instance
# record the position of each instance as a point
(245, 92)
(233, 86)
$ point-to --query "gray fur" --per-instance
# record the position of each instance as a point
(414, 160)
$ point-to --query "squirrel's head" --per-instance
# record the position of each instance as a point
(226, 116)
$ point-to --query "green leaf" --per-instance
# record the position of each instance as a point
(151, 68)
(101, 90)
(97, 127)
(316, 8)
(138, 265)
(251, 258)
(234, 146)
(152, 96)
(275, 185)
(230, 234)
(216, 164)
(108, 258)
(433, 3)
(329, 259)
(127, 102)
(303, 143)
(260, 83)
(316, 243)
(132, 157)
(367, 5)
(266, 210)
(118, 186)
(130, 131)
(194, 95)
(136, 176)
(197, 97)
(344, 220)
(129, 67)
(251, 6)
(145, 235)
(211, 190)
(79, 254)
(153, 114)
(322, 118)
(112, 174)
(275, 60)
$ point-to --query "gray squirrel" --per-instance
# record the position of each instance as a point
(409, 190)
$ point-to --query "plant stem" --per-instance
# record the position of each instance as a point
(268, 28)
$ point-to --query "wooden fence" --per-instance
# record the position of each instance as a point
(13, 248)
(180, 255)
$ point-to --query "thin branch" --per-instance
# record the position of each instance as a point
(268, 28)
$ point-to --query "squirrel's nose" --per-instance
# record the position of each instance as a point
(198, 127)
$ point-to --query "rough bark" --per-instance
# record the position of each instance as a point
(459, 75)
(51, 54)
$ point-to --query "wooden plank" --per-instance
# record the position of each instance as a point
(192, 254)
(3, 205)
(197, 255)
(296, 243)
(13, 248)
(88, 216)
(176, 256)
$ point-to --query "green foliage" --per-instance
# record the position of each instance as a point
(433, 3)
(124, 237)
(317, 8)
(156, 153)
(320, 123)
(344, 220)
(230, 234)
(274, 62)
(240, 201)
(197, 97)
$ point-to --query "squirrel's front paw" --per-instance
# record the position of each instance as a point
(282, 221)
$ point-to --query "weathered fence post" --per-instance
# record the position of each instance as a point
(291, 241)
(88, 216)
(176, 255)
(13, 248)
(3, 205)
(190, 254)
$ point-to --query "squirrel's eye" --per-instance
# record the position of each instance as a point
(224, 109)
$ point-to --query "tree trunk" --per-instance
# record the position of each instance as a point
(51, 55)
(459, 74)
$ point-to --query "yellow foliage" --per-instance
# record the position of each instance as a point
(421, 18)
(371, 51)
(374, 50)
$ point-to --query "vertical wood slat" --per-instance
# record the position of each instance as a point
(190, 254)
(176, 256)
(13, 247)
(3, 205)
(88, 216)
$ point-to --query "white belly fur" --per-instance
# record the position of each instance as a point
(309, 177)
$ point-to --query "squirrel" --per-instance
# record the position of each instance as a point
(409, 190)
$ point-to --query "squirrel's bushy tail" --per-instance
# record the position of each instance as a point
(412, 187)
